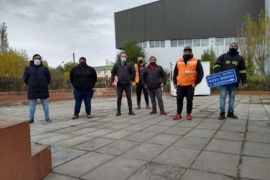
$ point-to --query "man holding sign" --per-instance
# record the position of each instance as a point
(228, 61)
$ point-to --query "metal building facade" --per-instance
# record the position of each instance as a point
(183, 19)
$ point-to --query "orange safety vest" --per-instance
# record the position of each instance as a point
(187, 73)
(137, 73)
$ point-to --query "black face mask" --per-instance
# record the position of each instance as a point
(233, 50)
(140, 61)
(83, 64)
(187, 56)
(153, 63)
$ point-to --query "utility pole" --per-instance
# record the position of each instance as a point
(74, 57)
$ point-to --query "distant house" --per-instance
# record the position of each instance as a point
(103, 71)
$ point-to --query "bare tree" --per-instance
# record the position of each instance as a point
(3, 38)
(254, 42)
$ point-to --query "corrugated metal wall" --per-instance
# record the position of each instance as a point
(183, 19)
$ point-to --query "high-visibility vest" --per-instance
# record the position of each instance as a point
(137, 73)
(187, 73)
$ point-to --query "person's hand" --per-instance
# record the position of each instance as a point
(245, 85)
(161, 85)
(133, 84)
(113, 85)
(175, 86)
(145, 86)
(193, 85)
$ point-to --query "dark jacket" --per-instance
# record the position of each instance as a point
(234, 61)
(199, 70)
(153, 78)
(125, 73)
(83, 78)
(37, 79)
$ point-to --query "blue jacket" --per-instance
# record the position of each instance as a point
(37, 79)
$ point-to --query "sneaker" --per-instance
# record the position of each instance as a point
(188, 116)
(48, 121)
(221, 116)
(76, 116)
(131, 113)
(31, 121)
(118, 114)
(89, 115)
(154, 111)
(177, 116)
(162, 112)
(231, 115)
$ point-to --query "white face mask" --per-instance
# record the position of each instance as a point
(37, 62)
(123, 59)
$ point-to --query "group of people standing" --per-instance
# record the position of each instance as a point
(148, 78)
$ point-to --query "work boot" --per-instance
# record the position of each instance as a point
(231, 115)
(76, 116)
(138, 105)
(162, 112)
(31, 121)
(154, 111)
(221, 116)
(118, 113)
(147, 105)
(48, 120)
(89, 115)
(131, 113)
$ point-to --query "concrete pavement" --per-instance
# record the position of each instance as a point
(154, 147)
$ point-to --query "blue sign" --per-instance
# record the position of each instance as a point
(221, 78)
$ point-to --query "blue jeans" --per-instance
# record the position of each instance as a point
(32, 108)
(83, 95)
(223, 91)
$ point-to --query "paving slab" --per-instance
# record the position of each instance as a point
(255, 168)
(257, 149)
(228, 135)
(140, 136)
(220, 163)
(177, 130)
(176, 156)
(65, 155)
(192, 142)
(154, 171)
(202, 175)
(94, 144)
(117, 169)
(225, 146)
(207, 133)
(83, 164)
(163, 139)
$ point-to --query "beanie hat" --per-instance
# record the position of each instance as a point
(234, 43)
(83, 58)
(187, 48)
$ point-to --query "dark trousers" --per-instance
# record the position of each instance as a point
(127, 89)
(188, 92)
(139, 89)
(156, 94)
(82, 95)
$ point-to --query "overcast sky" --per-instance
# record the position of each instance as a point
(56, 29)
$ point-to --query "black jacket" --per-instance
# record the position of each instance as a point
(37, 79)
(125, 73)
(234, 61)
(199, 70)
(153, 78)
(83, 78)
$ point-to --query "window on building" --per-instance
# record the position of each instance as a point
(228, 41)
(196, 42)
(162, 43)
(157, 43)
(220, 41)
(152, 44)
(173, 43)
(181, 43)
(189, 42)
(144, 45)
(204, 42)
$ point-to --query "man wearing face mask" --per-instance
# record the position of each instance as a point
(154, 78)
(188, 73)
(83, 79)
(37, 78)
(139, 67)
(125, 73)
(227, 61)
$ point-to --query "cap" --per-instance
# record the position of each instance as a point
(187, 48)
(235, 43)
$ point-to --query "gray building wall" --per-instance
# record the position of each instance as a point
(183, 19)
